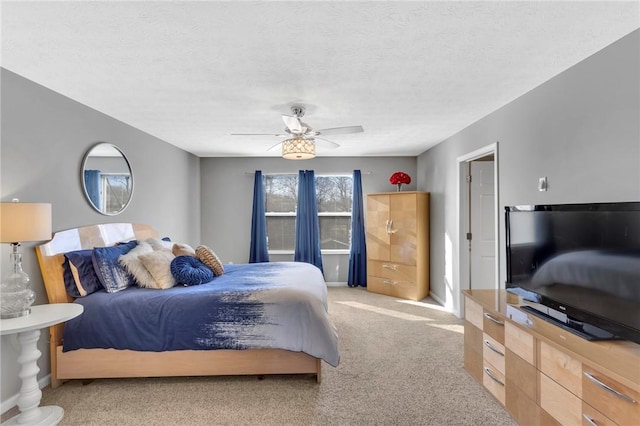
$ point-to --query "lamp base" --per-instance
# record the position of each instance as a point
(16, 314)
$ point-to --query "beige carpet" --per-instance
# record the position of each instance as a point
(401, 364)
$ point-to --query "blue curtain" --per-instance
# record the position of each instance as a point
(258, 251)
(92, 184)
(307, 248)
(358, 253)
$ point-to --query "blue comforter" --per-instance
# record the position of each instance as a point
(260, 305)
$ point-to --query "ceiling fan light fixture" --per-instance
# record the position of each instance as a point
(298, 149)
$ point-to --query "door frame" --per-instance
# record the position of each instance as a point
(461, 272)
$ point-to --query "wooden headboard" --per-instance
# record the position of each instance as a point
(51, 254)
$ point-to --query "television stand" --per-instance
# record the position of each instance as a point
(581, 329)
(544, 374)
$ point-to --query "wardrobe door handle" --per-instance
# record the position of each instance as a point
(391, 230)
(609, 389)
(494, 378)
(493, 348)
(388, 227)
(589, 420)
(491, 318)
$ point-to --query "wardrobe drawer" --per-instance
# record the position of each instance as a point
(390, 287)
(613, 399)
(394, 271)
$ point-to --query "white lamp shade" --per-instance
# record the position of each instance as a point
(298, 149)
(20, 222)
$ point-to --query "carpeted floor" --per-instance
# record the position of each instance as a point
(401, 364)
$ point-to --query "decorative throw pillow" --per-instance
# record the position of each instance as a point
(111, 274)
(209, 258)
(188, 270)
(80, 277)
(183, 250)
(134, 266)
(158, 263)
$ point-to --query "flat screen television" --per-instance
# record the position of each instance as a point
(579, 264)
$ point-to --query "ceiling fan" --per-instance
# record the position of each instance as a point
(300, 144)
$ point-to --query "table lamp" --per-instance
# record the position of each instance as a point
(20, 222)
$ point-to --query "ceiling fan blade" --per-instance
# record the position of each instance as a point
(258, 134)
(341, 130)
(292, 123)
(274, 146)
(327, 143)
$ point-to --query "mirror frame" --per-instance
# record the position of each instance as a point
(84, 185)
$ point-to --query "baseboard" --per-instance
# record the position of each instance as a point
(336, 284)
(12, 401)
(436, 298)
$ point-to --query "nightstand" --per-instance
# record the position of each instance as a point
(28, 330)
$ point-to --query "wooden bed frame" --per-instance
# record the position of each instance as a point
(113, 363)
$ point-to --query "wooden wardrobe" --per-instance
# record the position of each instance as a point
(398, 244)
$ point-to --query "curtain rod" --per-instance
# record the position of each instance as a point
(296, 173)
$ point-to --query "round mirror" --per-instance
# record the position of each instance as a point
(107, 179)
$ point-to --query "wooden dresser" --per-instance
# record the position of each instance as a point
(398, 244)
(544, 375)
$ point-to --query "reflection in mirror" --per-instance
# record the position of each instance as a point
(107, 179)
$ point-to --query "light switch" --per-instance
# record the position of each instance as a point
(542, 184)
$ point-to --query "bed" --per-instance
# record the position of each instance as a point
(294, 301)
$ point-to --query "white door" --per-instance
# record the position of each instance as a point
(482, 226)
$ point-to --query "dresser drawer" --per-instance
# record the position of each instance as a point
(591, 416)
(493, 380)
(564, 369)
(493, 352)
(473, 350)
(520, 343)
(613, 399)
(394, 271)
(523, 409)
(521, 375)
(473, 312)
(556, 400)
(493, 325)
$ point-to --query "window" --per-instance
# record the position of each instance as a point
(333, 193)
(116, 190)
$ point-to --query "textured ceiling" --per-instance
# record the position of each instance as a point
(411, 73)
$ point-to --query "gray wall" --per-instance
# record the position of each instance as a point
(581, 129)
(227, 198)
(44, 138)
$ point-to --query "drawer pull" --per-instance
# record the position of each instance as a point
(389, 282)
(609, 389)
(491, 318)
(494, 378)
(589, 420)
(392, 267)
(493, 348)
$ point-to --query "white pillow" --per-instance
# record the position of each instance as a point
(132, 263)
(158, 263)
